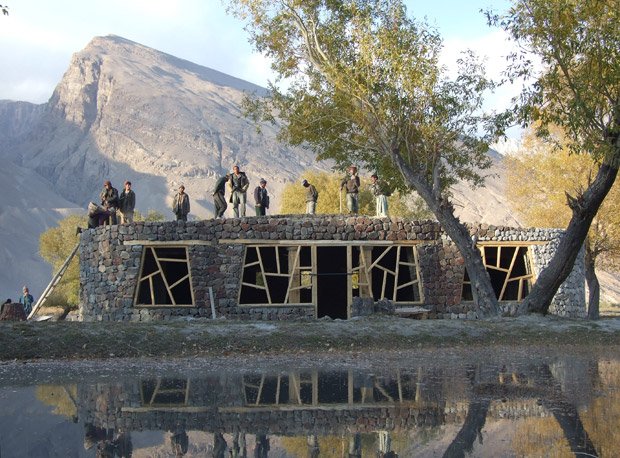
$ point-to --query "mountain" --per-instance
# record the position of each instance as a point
(29, 206)
(123, 111)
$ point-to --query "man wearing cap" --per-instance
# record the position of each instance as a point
(109, 200)
(312, 196)
(261, 198)
(239, 185)
(180, 205)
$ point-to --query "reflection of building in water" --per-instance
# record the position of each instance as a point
(314, 404)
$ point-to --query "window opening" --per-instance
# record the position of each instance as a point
(509, 270)
(395, 274)
(164, 277)
(164, 392)
(276, 275)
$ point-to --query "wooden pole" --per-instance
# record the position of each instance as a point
(212, 300)
(52, 284)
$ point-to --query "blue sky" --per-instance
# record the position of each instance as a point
(38, 38)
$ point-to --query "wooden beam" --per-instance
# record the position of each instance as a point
(168, 243)
(317, 242)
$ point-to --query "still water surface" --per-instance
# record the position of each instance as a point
(533, 405)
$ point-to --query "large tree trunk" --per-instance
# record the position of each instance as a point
(482, 290)
(561, 265)
(593, 284)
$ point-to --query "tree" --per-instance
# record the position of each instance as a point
(151, 216)
(328, 185)
(578, 90)
(55, 246)
(364, 86)
(539, 177)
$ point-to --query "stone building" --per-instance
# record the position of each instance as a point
(310, 266)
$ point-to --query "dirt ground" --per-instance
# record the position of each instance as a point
(206, 338)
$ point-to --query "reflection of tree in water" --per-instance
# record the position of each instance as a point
(541, 383)
(61, 397)
(602, 416)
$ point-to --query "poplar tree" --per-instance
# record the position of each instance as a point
(364, 86)
(538, 180)
(578, 90)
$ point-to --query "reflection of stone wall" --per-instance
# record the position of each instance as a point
(215, 405)
(109, 268)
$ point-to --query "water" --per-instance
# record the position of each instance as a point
(471, 403)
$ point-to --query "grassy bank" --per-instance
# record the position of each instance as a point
(72, 340)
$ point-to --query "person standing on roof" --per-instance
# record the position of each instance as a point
(219, 196)
(378, 190)
(239, 185)
(109, 200)
(261, 198)
(180, 204)
(312, 195)
(127, 203)
(351, 185)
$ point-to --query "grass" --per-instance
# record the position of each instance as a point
(76, 340)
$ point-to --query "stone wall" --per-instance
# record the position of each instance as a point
(110, 258)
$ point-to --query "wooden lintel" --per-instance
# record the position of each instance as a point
(274, 305)
(517, 243)
(165, 243)
(319, 242)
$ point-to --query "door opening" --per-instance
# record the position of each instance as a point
(332, 282)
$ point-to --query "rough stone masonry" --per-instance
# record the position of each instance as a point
(111, 260)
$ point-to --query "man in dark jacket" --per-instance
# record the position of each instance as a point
(239, 185)
(127, 203)
(180, 204)
(261, 198)
(312, 196)
(109, 200)
(219, 196)
(352, 185)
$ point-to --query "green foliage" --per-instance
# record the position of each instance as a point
(578, 44)
(328, 185)
(151, 216)
(60, 397)
(364, 86)
(55, 245)
(539, 177)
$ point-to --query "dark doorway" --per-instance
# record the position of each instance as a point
(332, 282)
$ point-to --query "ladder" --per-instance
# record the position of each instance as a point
(53, 283)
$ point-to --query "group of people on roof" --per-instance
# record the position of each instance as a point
(114, 208)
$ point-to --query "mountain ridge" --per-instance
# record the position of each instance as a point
(126, 111)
